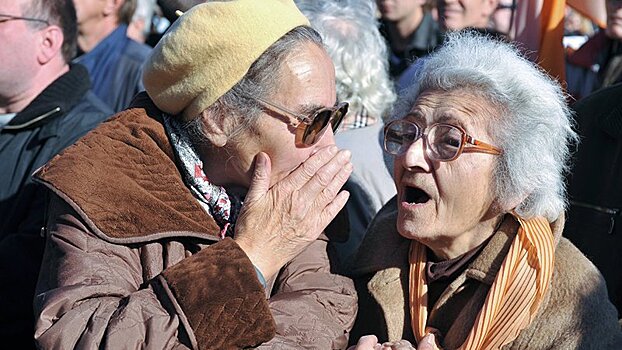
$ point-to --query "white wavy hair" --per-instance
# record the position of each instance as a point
(534, 130)
(349, 30)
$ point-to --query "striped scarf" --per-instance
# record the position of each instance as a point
(514, 297)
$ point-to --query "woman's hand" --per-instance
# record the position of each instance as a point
(370, 342)
(277, 223)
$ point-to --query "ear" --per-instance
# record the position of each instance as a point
(214, 128)
(514, 203)
(51, 44)
(111, 8)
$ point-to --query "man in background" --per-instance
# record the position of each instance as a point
(45, 106)
(410, 32)
(598, 63)
(114, 61)
(456, 15)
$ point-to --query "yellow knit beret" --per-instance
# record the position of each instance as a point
(210, 48)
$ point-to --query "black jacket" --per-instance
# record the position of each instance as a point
(594, 222)
(55, 119)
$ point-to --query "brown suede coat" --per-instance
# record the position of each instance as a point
(133, 261)
(575, 314)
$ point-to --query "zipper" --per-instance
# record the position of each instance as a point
(32, 121)
(612, 212)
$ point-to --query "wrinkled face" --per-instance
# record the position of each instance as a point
(18, 52)
(397, 10)
(614, 19)
(460, 14)
(307, 83)
(446, 205)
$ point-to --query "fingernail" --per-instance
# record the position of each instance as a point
(345, 155)
(429, 339)
(348, 167)
(333, 150)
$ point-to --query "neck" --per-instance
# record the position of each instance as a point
(401, 31)
(449, 249)
(91, 34)
(21, 98)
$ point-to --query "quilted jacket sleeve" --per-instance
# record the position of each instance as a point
(313, 307)
(91, 294)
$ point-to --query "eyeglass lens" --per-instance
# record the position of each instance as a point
(443, 142)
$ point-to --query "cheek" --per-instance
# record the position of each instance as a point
(285, 160)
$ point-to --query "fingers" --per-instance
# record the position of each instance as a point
(367, 342)
(260, 183)
(329, 179)
(309, 168)
(427, 343)
(332, 209)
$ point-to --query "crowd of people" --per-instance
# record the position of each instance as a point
(305, 174)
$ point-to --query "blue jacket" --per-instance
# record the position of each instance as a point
(55, 119)
(115, 66)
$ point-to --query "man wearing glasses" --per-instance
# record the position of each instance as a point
(45, 106)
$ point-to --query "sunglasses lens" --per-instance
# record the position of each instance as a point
(314, 130)
(321, 120)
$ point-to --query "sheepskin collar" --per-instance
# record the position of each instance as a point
(123, 180)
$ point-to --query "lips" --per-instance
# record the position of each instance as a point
(415, 195)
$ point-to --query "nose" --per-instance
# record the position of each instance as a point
(415, 157)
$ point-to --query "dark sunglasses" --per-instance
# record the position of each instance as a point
(310, 129)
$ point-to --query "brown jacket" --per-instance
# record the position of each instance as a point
(133, 261)
(575, 314)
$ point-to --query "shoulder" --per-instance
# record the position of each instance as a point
(576, 310)
(603, 100)
(136, 52)
(89, 112)
(575, 279)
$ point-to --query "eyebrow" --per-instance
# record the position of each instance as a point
(442, 117)
(308, 108)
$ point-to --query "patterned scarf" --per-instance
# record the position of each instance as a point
(514, 297)
(223, 207)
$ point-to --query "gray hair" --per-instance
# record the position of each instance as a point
(349, 29)
(261, 81)
(534, 128)
(145, 10)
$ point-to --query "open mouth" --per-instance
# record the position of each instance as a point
(415, 195)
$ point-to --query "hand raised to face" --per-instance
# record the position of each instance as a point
(277, 223)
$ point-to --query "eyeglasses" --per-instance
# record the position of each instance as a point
(310, 129)
(6, 18)
(443, 142)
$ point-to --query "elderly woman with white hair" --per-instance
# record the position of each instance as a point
(470, 249)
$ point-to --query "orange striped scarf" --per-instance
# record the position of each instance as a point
(514, 297)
